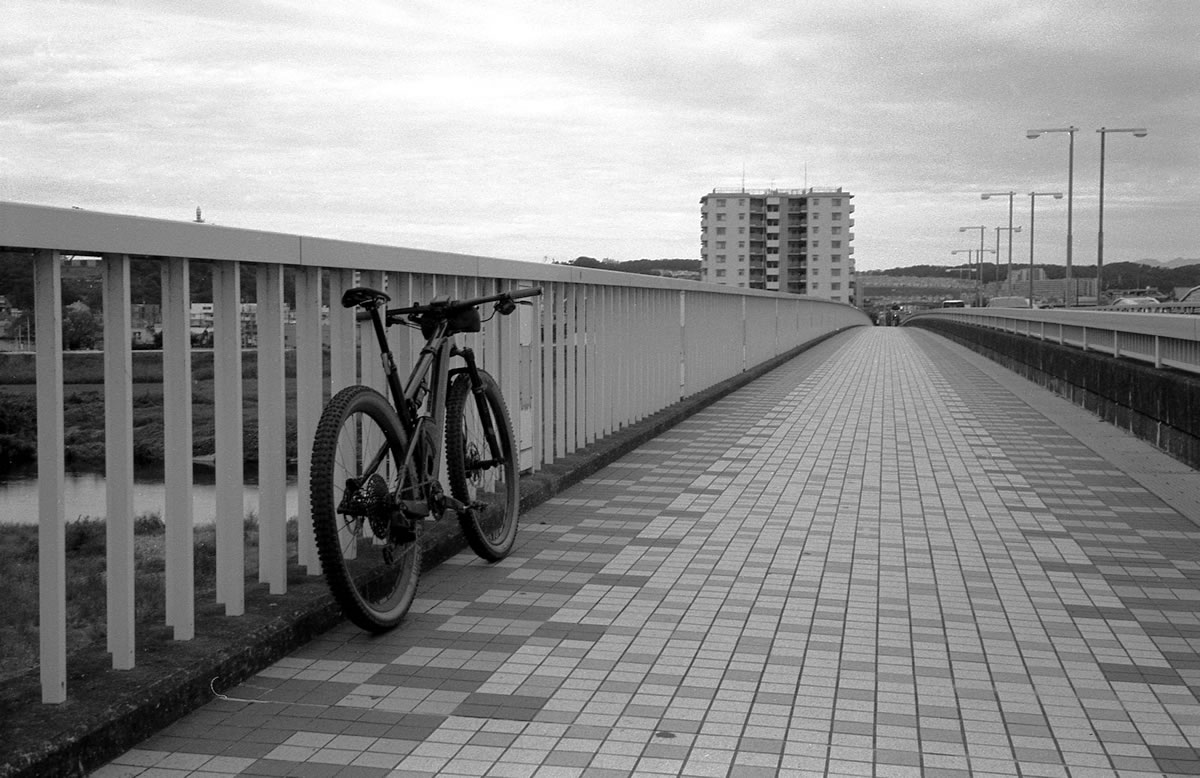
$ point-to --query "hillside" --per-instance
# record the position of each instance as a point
(676, 268)
(1118, 275)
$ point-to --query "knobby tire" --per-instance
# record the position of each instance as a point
(491, 527)
(374, 592)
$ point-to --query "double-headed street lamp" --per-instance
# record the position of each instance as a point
(1138, 132)
(1070, 193)
(979, 274)
(1033, 199)
(1009, 195)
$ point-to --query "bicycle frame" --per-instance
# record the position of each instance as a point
(427, 386)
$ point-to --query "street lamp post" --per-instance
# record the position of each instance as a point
(1009, 195)
(979, 274)
(969, 253)
(1070, 196)
(1011, 229)
(1137, 132)
(1032, 200)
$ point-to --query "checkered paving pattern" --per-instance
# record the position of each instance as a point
(875, 560)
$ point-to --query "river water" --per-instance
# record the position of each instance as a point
(84, 495)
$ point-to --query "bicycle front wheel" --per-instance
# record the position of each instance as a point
(370, 551)
(481, 465)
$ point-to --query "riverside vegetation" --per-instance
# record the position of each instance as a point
(83, 417)
(85, 535)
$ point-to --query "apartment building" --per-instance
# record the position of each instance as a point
(791, 240)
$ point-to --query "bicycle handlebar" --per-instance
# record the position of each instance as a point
(452, 305)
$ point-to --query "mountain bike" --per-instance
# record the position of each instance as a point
(374, 479)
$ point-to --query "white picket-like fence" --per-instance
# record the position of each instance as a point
(597, 352)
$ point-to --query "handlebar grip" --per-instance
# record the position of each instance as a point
(519, 293)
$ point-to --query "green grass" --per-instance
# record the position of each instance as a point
(84, 408)
(86, 588)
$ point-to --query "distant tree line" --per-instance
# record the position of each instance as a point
(16, 283)
(649, 267)
(1117, 275)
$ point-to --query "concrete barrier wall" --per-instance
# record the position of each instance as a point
(1157, 405)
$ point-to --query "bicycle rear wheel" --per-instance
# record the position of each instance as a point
(370, 552)
(484, 480)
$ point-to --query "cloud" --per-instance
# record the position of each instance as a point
(528, 128)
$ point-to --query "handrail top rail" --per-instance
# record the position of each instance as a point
(1182, 326)
(95, 233)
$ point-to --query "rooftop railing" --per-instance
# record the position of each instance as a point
(599, 351)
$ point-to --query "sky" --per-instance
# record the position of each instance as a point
(543, 130)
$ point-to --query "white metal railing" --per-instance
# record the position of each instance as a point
(599, 351)
(1159, 339)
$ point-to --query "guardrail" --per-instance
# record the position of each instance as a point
(599, 351)
(1159, 338)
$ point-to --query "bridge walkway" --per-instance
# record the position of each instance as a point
(888, 557)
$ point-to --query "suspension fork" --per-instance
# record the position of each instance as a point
(485, 411)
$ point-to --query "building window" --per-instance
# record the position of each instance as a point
(741, 271)
(837, 217)
(720, 272)
(720, 230)
(837, 271)
(721, 202)
(836, 257)
(837, 230)
(741, 217)
(837, 202)
(814, 286)
(720, 217)
(741, 230)
(720, 259)
(814, 243)
(835, 286)
(720, 244)
(741, 244)
(837, 244)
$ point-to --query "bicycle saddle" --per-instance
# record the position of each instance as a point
(361, 295)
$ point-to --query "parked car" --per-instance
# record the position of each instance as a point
(1136, 302)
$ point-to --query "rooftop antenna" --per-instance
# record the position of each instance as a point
(199, 218)
(743, 178)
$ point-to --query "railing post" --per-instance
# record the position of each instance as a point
(683, 345)
(118, 460)
(572, 382)
(309, 384)
(230, 460)
(177, 442)
(342, 354)
(52, 563)
(272, 431)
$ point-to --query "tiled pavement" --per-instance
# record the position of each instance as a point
(889, 557)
